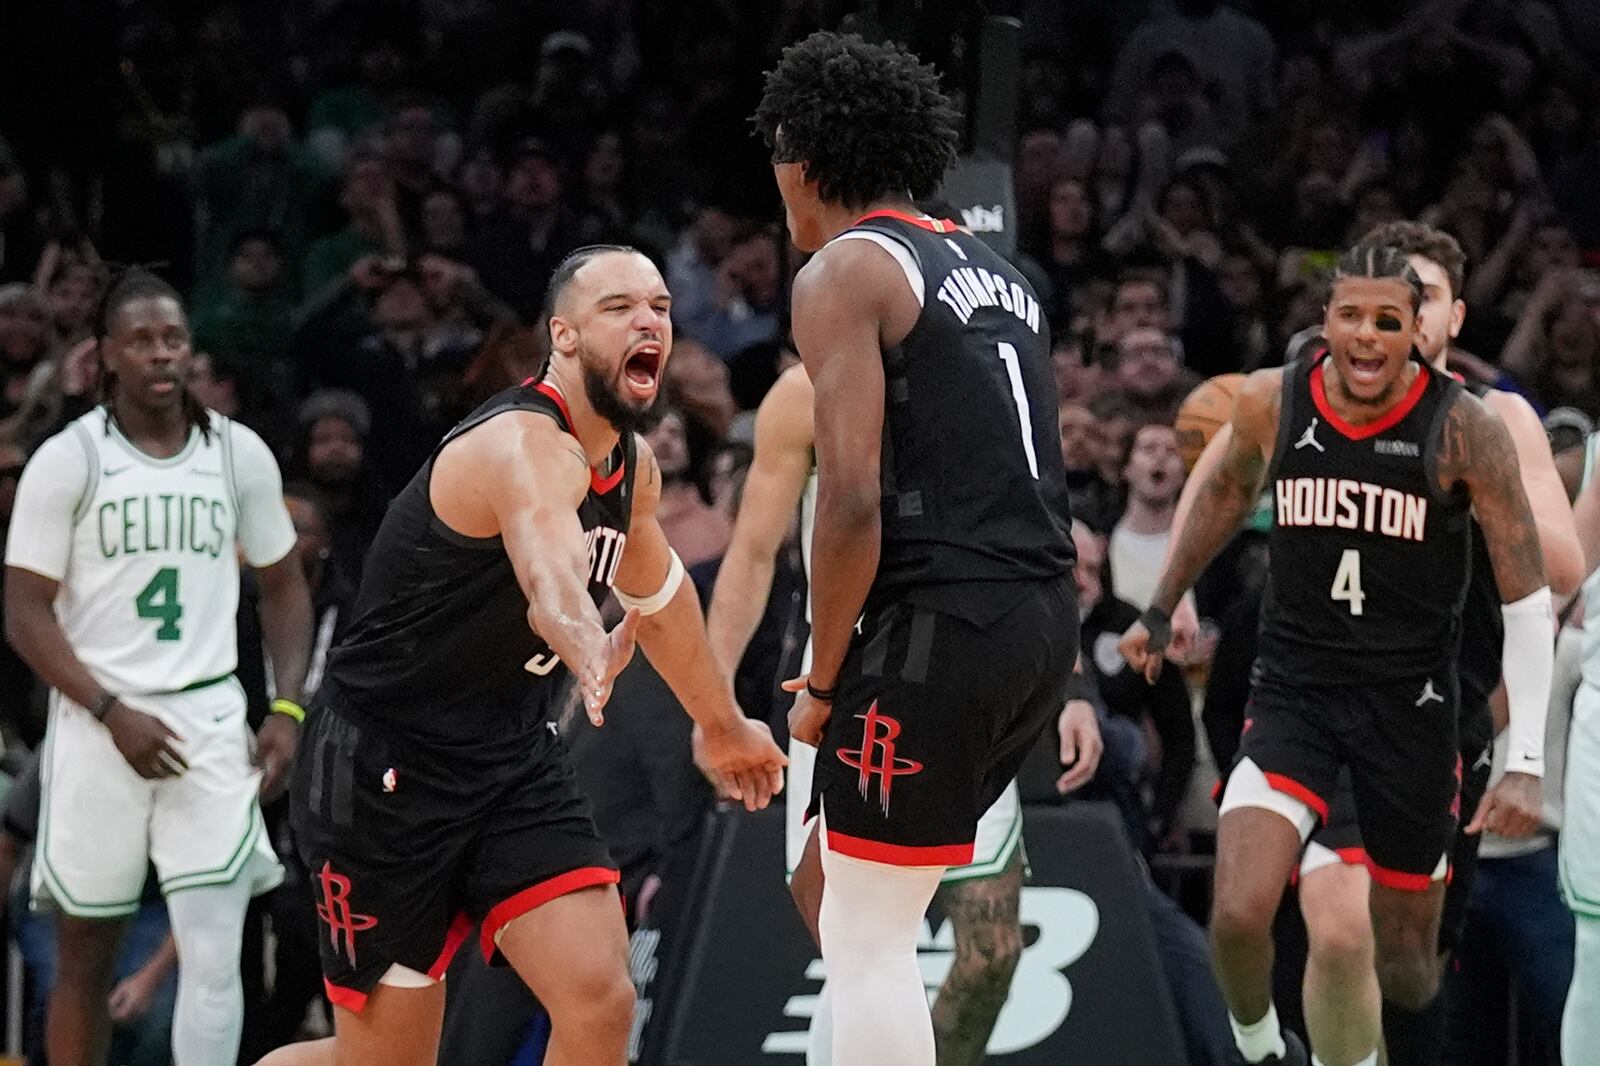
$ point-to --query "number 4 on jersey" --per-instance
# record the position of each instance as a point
(159, 600)
(1347, 580)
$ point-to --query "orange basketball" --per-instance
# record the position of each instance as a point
(1203, 412)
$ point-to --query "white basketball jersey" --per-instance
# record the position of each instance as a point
(1591, 584)
(150, 579)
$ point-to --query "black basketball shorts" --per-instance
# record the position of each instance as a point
(1398, 742)
(409, 850)
(1340, 841)
(935, 712)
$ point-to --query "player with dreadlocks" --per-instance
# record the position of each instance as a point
(1375, 459)
(944, 613)
(121, 591)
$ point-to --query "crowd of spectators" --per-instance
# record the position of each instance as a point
(364, 201)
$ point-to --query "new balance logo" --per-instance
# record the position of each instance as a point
(876, 757)
(1428, 695)
(1308, 439)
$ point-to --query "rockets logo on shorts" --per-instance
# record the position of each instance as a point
(876, 757)
(334, 909)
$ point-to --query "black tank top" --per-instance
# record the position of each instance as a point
(1483, 633)
(974, 490)
(439, 648)
(1369, 558)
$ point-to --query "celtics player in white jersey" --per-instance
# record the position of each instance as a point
(1580, 834)
(982, 898)
(122, 585)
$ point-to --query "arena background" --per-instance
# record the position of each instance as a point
(363, 202)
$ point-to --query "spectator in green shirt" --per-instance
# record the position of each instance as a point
(251, 320)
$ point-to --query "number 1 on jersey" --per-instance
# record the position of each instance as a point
(159, 600)
(1347, 580)
(1008, 356)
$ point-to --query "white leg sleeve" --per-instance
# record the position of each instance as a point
(871, 920)
(208, 924)
(819, 1044)
(1580, 1022)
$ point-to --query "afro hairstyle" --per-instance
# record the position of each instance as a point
(867, 120)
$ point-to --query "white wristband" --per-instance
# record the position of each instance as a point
(1528, 663)
(649, 605)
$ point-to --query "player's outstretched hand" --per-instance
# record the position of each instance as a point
(1081, 745)
(1135, 648)
(145, 741)
(742, 760)
(605, 662)
(1514, 807)
(275, 746)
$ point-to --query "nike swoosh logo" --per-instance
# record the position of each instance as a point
(118, 470)
(206, 473)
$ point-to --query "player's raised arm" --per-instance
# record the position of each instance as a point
(1478, 452)
(1219, 503)
(772, 490)
(650, 581)
(540, 476)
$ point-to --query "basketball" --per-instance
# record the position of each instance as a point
(1203, 411)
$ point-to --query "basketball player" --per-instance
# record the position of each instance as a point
(1333, 878)
(1580, 833)
(944, 624)
(121, 593)
(1374, 459)
(982, 897)
(435, 793)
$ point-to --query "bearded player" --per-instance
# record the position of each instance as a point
(434, 793)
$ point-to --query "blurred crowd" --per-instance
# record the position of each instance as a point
(364, 201)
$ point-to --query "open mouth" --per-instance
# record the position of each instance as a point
(1367, 369)
(642, 367)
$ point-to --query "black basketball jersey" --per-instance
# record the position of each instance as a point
(974, 490)
(1369, 557)
(439, 647)
(1483, 634)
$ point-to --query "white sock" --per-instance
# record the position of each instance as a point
(819, 1047)
(1260, 1038)
(208, 924)
(1370, 1060)
(870, 923)
(1580, 1022)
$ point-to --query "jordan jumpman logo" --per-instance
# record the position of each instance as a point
(1308, 439)
(1428, 695)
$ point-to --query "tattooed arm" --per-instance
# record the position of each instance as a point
(1478, 452)
(1222, 501)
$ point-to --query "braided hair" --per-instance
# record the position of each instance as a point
(1370, 259)
(137, 283)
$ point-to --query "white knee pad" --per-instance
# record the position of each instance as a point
(1249, 787)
